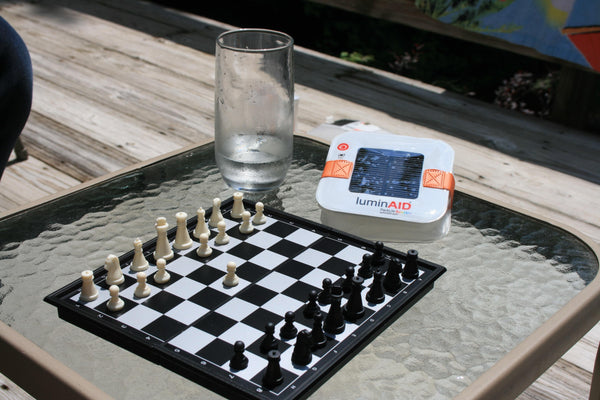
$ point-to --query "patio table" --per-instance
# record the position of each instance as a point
(518, 290)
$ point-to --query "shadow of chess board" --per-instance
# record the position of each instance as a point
(190, 323)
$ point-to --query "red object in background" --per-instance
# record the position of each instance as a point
(583, 30)
(588, 43)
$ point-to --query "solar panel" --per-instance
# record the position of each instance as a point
(385, 172)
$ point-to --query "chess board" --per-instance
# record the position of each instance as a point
(189, 324)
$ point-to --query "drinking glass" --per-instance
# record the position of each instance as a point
(254, 108)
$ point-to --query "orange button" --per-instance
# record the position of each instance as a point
(337, 169)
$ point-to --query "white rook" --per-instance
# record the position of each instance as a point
(89, 291)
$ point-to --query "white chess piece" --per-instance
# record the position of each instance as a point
(238, 205)
(89, 291)
(115, 303)
(246, 226)
(161, 276)
(259, 217)
(142, 289)
(231, 279)
(215, 216)
(222, 237)
(139, 262)
(163, 248)
(182, 236)
(204, 249)
(115, 274)
(201, 226)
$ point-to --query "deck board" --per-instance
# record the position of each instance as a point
(118, 82)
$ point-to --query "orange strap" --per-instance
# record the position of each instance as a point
(337, 169)
(436, 179)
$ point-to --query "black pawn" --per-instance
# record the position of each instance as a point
(378, 259)
(239, 361)
(366, 269)
(347, 284)
(273, 376)
(269, 341)
(311, 307)
(354, 309)
(376, 294)
(334, 323)
(392, 282)
(288, 330)
(411, 269)
(325, 295)
(318, 336)
(302, 354)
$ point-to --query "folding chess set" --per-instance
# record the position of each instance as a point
(248, 301)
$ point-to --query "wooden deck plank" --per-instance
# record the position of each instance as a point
(162, 91)
(111, 75)
(10, 391)
(583, 354)
(49, 141)
(31, 179)
(107, 107)
(564, 381)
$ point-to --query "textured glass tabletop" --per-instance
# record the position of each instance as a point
(507, 274)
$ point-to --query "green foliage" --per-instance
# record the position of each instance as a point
(357, 57)
(527, 93)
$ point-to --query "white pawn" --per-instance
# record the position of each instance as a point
(246, 227)
(222, 237)
(115, 303)
(115, 274)
(201, 226)
(139, 262)
(182, 236)
(231, 279)
(259, 217)
(215, 216)
(204, 249)
(161, 276)
(142, 289)
(89, 291)
(163, 248)
(238, 205)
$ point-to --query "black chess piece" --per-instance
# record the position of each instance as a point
(347, 283)
(354, 309)
(318, 336)
(288, 330)
(334, 323)
(325, 294)
(302, 354)
(366, 269)
(269, 341)
(411, 268)
(311, 307)
(378, 258)
(392, 282)
(376, 294)
(239, 361)
(273, 376)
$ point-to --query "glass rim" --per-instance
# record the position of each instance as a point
(290, 40)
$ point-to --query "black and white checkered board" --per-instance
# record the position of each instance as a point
(190, 324)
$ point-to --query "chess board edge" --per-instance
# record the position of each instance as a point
(155, 350)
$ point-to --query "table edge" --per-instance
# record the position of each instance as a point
(38, 373)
